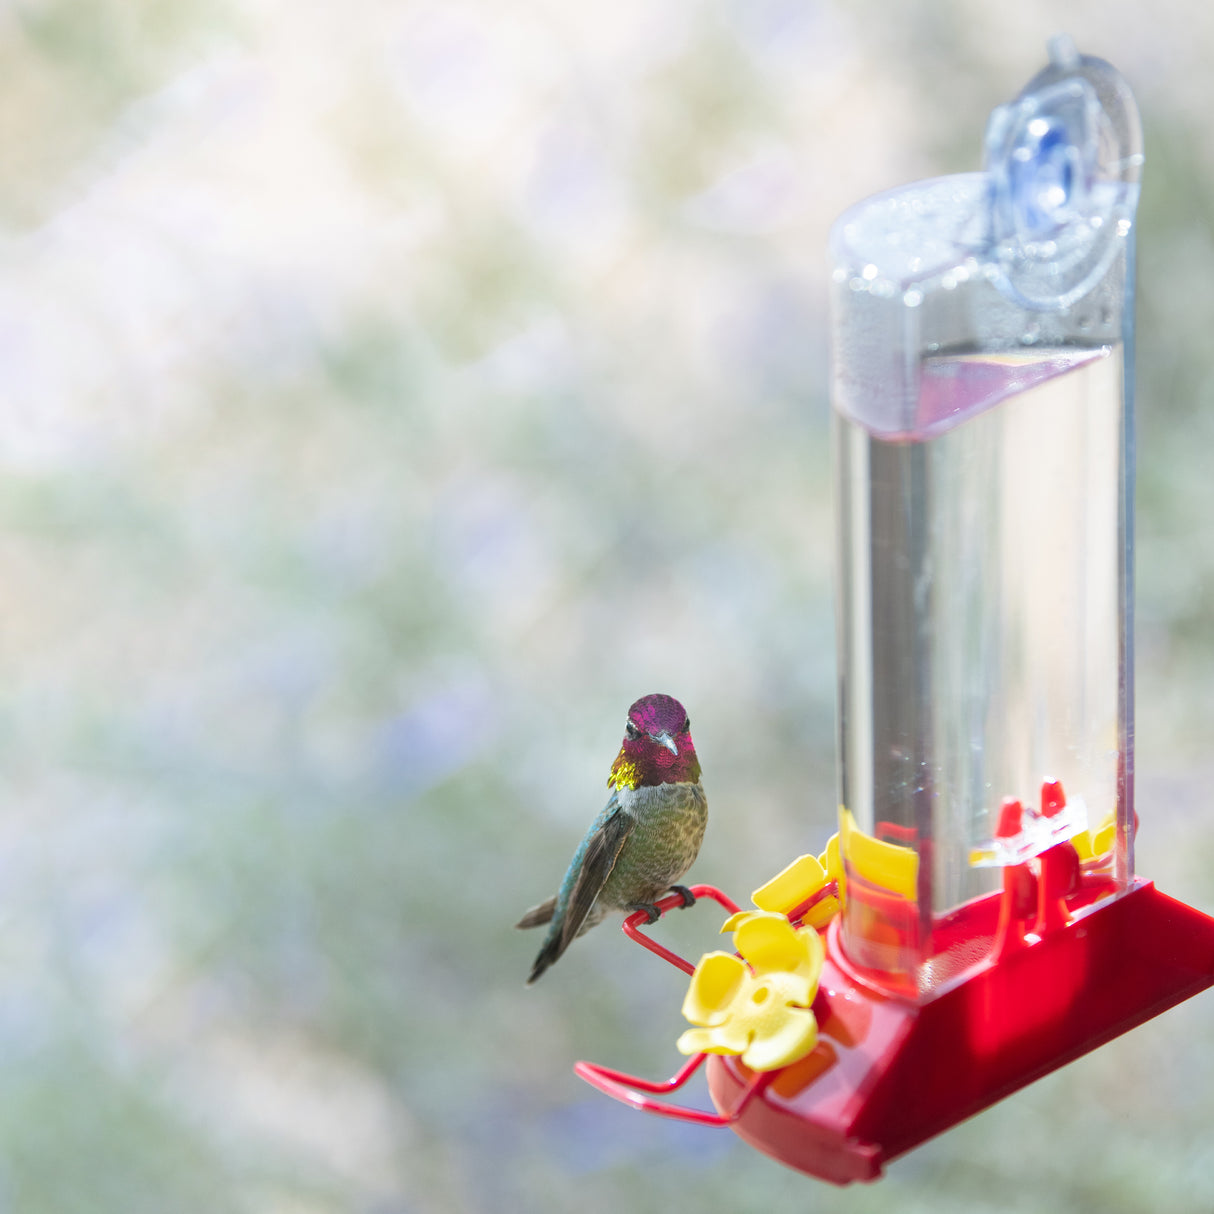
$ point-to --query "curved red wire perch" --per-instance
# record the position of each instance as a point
(632, 925)
(629, 1088)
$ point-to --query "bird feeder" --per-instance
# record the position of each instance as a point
(980, 918)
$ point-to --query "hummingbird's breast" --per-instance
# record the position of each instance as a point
(670, 828)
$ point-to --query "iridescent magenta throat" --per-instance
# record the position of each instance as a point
(644, 761)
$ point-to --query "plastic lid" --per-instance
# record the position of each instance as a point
(1064, 161)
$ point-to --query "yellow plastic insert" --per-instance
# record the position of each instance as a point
(1091, 844)
(889, 865)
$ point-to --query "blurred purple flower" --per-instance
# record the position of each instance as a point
(436, 737)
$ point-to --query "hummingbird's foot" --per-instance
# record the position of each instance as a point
(652, 914)
(689, 899)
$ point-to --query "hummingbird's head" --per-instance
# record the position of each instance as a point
(657, 746)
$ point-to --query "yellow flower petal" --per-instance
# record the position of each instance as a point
(821, 913)
(830, 858)
(793, 885)
(732, 922)
(767, 940)
(786, 1042)
(771, 945)
(815, 954)
(714, 984)
(727, 1038)
(701, 1041)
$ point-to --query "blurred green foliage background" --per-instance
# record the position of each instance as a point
(390, 393)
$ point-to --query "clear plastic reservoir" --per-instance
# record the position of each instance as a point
(982, 326)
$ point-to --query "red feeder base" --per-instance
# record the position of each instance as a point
(888, 1073)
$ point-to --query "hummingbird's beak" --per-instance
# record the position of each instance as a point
(666, 740)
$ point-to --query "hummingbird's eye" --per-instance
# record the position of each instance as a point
(686, 725)
(631, 730)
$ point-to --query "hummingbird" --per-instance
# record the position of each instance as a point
(646, 837)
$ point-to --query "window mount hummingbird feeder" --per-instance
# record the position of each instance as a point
(977, 921)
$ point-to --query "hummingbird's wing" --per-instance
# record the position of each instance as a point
(602, 850)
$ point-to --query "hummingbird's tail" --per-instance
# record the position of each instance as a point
(556, 942)
(537, 916)
(553, 947)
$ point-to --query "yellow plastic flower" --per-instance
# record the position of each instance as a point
(761, 1010)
